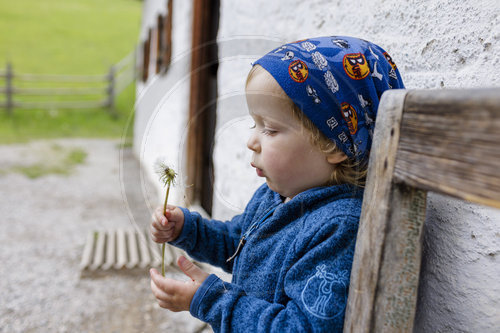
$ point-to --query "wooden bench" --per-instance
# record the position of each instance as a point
(445, 141)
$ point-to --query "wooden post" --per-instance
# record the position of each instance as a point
(444, 141)
(202, 103)
(167, 35)
(9, 90)
(160, 43)
(111, 90)
(388, 247)
(146, 49)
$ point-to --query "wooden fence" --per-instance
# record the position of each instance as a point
(42, 91)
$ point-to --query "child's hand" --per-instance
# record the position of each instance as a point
(177, 295)
(167, 228)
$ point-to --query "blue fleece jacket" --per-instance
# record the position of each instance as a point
(292, 273)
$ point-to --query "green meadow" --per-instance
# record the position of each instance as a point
(67, 37)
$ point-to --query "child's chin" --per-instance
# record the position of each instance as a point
(271, 186)
(276, 189)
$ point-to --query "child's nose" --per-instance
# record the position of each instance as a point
(253, 143)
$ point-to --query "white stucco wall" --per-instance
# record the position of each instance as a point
(436, 44)
(162, 102)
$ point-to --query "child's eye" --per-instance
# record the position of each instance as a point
(267, 131)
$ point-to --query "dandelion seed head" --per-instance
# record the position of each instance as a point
(166, 174)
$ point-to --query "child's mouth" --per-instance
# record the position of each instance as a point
(260, 173)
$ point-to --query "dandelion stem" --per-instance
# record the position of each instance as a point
(167, 177)
(166, 198)
(163, 245)
(163, 259)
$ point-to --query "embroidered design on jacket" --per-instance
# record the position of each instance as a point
(321, 293)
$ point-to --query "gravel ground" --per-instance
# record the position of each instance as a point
(42, 234)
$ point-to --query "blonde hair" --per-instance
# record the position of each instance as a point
(350, 170)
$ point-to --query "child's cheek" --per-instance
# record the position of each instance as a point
(278, 163)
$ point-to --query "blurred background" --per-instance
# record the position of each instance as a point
(93, 92)
(67, 93)
(65, 67)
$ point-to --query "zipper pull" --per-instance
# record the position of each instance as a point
(238, 249)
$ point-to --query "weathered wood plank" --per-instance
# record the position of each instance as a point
(99, 250)
(110, 250)
(133, 249)
(444, 141)
(160, 43)
(144, 249)
(88, 250)
(450, 143)
(146, 49)
(365, 275)
(202, 103)
(396, 292)
(167, 26)
(121, 249)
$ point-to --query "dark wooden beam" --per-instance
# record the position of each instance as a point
(167, 35)
(202, 103)
(160, 43)
(146, 53)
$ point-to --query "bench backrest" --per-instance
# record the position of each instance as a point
(445, 141)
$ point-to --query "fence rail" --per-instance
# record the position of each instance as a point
(25, 91)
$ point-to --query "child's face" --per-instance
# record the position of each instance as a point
(282, 151)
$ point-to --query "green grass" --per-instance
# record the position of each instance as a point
(25, 125)
(56, 160)
(70, 37)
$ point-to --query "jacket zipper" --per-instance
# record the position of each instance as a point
(252, 228)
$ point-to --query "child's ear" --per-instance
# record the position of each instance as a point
(336, 158)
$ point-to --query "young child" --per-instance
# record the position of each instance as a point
(314, 104)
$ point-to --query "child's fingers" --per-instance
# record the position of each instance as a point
(194, 272)
(158, 293)
(161, 240)
(159, 211)
(163, 237)
(165, 305)
(163, 233)
(176, 214)
(165, 284)
(162, 225)
(159, 216)
(156, 231)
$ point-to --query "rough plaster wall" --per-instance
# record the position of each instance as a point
(436, 44)
(231, 156)
(459, 289)
(439, 43)
(162, 102)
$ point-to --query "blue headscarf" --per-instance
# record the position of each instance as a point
(337, 82)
